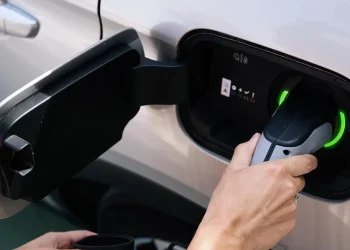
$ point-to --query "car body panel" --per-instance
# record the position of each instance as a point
(316, 31)
(65, 31)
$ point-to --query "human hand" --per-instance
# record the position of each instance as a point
(252, 208)
(51, 241)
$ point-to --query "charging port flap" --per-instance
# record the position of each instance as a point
(56, 125)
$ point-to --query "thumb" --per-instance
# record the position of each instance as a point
(244, 152)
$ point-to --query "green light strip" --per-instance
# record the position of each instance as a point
(342, 121)
(340, 133)
(283, 97)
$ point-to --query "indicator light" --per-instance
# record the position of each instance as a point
(340, 132)
(282, 97)
(342, 122)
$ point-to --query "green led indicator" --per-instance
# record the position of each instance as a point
(282, 97)
(342, 122)
(340, 133)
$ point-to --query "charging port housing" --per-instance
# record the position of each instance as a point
(236, 86)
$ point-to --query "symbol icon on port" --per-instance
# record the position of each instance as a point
(246, 92)
(236, 56)
(234, 87)
(240, 90)
(225, 87)
(253, 95)
(245, 60)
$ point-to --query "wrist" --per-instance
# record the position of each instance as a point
(211, 238)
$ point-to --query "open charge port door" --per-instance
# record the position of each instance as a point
(59, 123)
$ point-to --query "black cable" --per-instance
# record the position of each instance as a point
(100, 18)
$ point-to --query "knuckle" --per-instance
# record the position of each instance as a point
(291, 188)
(51, 236)
(277, 169)
(293, 208)
(230, 168)
(240, 148)
(302, 183)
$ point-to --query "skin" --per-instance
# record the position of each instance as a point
(51, 241)
(253, 207)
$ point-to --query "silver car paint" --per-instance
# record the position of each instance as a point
(315, 30)
(65, 31)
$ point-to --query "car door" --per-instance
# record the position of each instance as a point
(65, 30)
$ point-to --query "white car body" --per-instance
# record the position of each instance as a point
(315, 31)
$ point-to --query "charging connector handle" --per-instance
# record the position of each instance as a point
(301, 125)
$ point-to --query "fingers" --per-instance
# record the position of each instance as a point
(299, 182)
(41, 248)
(57, 240)
(243, 153)
(299, 165)
(66, 239)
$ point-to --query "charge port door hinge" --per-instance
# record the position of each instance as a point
(160, 83)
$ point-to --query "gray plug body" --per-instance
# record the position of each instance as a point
(301, 125)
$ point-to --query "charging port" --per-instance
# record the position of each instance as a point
(235, 88)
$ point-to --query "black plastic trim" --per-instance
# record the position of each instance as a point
(187, 44)
(195, 36)
(68, 118)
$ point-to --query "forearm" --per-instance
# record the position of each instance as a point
(212, 239)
